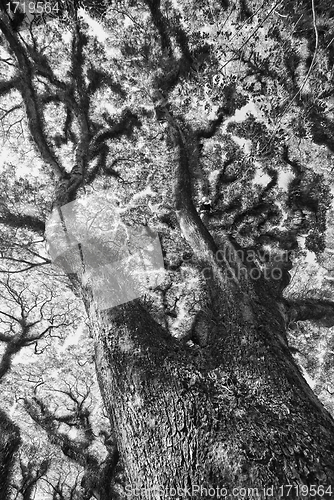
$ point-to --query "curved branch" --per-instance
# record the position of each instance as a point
(211, 128)
(9, 443)
(262, 208)
(47, 420)
(228, 264)
(320, 311)
(81, 156)
(160, 24)
(29, 96)
(7, 86)
(99, 78)
(127, 122)
(12, 348)
(23, 220)
(125, 126)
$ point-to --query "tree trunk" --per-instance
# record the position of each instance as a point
(234, 414)
(9, 443)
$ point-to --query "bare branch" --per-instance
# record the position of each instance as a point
(74, 450)
(22, 220)
(8, 111)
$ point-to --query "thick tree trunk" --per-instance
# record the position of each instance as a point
(9, 443)
(199, 422)
(234, 414)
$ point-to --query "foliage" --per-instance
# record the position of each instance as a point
(89, 110)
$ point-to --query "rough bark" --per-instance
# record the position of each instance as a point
(235, 413)
(9, 443)
(22, 220)
(321, 311)
(25, 86)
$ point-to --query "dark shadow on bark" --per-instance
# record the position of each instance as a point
(9, 444)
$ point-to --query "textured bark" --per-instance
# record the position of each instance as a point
(235, 413)
(9, 443)
(7, 86)
(25, 86)
(22, 220)
(321, 311)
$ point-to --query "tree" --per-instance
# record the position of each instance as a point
(9, 444)
(52, 394)
(195, 101)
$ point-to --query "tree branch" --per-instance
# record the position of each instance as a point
(29, 96)
(127, 122)
(320, 311)
(7, 86)
(47, 420)
(23, 220)
(211, 128)
(99, 149)
(78, 43)
(192, 226)
(12, 348)
(160, 24)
